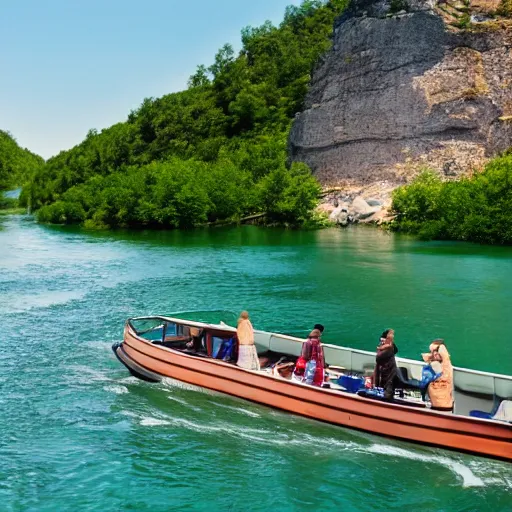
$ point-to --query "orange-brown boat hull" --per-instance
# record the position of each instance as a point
(481, 437)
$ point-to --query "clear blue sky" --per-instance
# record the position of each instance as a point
(70, 65)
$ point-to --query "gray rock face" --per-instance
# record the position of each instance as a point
(396, 94)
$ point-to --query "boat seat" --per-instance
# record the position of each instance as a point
(403, 381)
(270, 358)
(177, 342)
(498, 405)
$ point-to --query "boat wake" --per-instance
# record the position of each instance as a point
(240, 410)
(470, 473)
(469, 479)
(153, 422)
(168, 383)
(118, 390)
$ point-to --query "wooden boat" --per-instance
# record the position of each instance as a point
(157, 347)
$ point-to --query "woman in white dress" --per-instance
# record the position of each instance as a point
(247, 354)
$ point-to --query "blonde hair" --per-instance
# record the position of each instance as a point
(244, 315)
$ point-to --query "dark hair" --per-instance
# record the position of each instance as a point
(320, 327)
(438, 342)
(385, 333)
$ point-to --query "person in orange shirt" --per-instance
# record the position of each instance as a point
(440, 391)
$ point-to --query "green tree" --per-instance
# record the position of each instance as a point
(473, 209)
(205, 154)
(17, 165)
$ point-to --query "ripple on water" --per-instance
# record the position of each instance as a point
(77, 432)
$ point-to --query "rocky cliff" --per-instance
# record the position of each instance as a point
(420, 88)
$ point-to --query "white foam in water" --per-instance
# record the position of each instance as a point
(99, 345)
(130, 380)
(253, 434)
(35, 300)
(85, 374)
(176, 399)
(184, 403)
(469, 479)
(173, 383)
(130, 414)
(252, 414)
(494, 472)
(153, 422)
(118, 390)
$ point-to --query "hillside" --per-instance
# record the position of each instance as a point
(17, 165)
(213, 152)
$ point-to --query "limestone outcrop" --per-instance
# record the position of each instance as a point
(400, 92)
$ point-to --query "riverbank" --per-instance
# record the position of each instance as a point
(430, 207)
(13, 211)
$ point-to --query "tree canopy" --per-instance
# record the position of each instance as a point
(17, 165)
(217, 150)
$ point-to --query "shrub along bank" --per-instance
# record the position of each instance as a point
(476, 209)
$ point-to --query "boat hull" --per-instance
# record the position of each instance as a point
(481, 437)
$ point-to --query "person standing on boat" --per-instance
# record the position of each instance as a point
(247, 353)
(440, 390)
(385, 373)
(320, 327)
(310, 366)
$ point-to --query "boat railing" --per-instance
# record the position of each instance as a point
(363, 361)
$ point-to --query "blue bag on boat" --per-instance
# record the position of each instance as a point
(428, 375)
(351, 383)
(226, 350)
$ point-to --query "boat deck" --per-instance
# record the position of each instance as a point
(465, 403)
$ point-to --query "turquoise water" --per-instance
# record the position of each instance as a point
(78, 433)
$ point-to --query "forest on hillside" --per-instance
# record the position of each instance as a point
(17, 165)
(213, 152)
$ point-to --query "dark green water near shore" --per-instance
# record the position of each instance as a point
(78, 433)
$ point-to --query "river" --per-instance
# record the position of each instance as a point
(78, 433)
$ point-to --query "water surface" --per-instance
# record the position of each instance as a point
(78, 433)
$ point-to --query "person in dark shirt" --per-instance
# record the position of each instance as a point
(385, 373)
